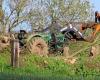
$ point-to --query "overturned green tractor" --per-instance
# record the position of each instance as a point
(42, 44)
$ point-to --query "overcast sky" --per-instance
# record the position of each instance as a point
(96, 4)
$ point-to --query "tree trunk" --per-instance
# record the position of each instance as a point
(1, 17)
(0, 3)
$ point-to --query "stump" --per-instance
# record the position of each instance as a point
(95, 50)
(15, 53)
(70, 60)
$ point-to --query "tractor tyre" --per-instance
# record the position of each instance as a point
(38, 46)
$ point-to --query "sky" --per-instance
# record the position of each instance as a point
(96, 4)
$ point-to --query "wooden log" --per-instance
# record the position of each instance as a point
(15, 53)
(66, 52)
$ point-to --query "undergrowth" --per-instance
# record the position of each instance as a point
(33, 67)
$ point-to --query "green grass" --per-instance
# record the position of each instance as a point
(33, 67)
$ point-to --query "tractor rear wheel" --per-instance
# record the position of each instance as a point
(38, 46)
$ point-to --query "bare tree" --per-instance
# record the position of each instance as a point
(1, 15)
(16, 15)
(61, 10)
(70, 10)
(1, 12)
(40, 13)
